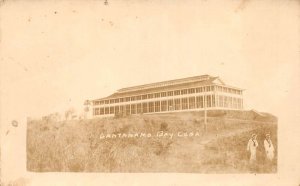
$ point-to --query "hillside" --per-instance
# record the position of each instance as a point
(136, 143)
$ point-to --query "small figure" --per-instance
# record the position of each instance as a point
(252, 145)
(269, 148)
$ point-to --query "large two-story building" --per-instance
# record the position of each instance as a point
(187, 94)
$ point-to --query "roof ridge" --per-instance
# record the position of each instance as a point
(166, 83)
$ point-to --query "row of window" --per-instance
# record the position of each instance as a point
(169, 93)
(173, 104)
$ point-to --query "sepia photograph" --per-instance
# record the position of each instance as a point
(111, 92)
(196, 124)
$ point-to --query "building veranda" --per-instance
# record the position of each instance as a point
(187, 94)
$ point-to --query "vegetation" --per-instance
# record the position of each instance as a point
(78, 145)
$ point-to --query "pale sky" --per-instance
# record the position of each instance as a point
(56, 54)
(55, 58)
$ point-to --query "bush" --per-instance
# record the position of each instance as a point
(76, 145)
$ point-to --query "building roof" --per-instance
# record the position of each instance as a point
(183, 83)
(166, 83)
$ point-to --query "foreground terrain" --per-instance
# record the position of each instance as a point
(177, 142)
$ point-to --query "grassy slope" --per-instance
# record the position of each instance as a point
(76, 145)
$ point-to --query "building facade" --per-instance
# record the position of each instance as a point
(187, 94)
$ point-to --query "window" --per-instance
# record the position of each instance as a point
(112, 110)
(150, 96)
(230, 102)
(96, 111)
(170, 105)
(208, 101)
(127, 111)
(199, 89)
(96, 102)
(157, 106)
(101, 111)
(111, 101)
(191, 102)
(133, 109)
(164, 106)
(106, 110)
(127, 99)
(222, 89)
(157, 95)
(234, 103)
(199, 102)
(207, 88)
(213, 101)
(184, 102)
(121, 99)
(240, 103)
(106, 101)
(184, 91)
(221, 101)
(163, 94)
(144, 96)
(133, 98)
(101, 102)
(145, 107)
(116, 109)
(122, 109)
(212, 88)
(177, 104)
(177, 92)
(170, 93)
(117, 100)
(191, 91)
(151, 106)
(225, 101)
(139, 97)
(139, 108)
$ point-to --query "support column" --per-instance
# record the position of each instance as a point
(168, 108)
(160, 105)
(205, 112)
(136, 106)
(180, 103)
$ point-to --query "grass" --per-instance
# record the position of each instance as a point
(76, 146)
